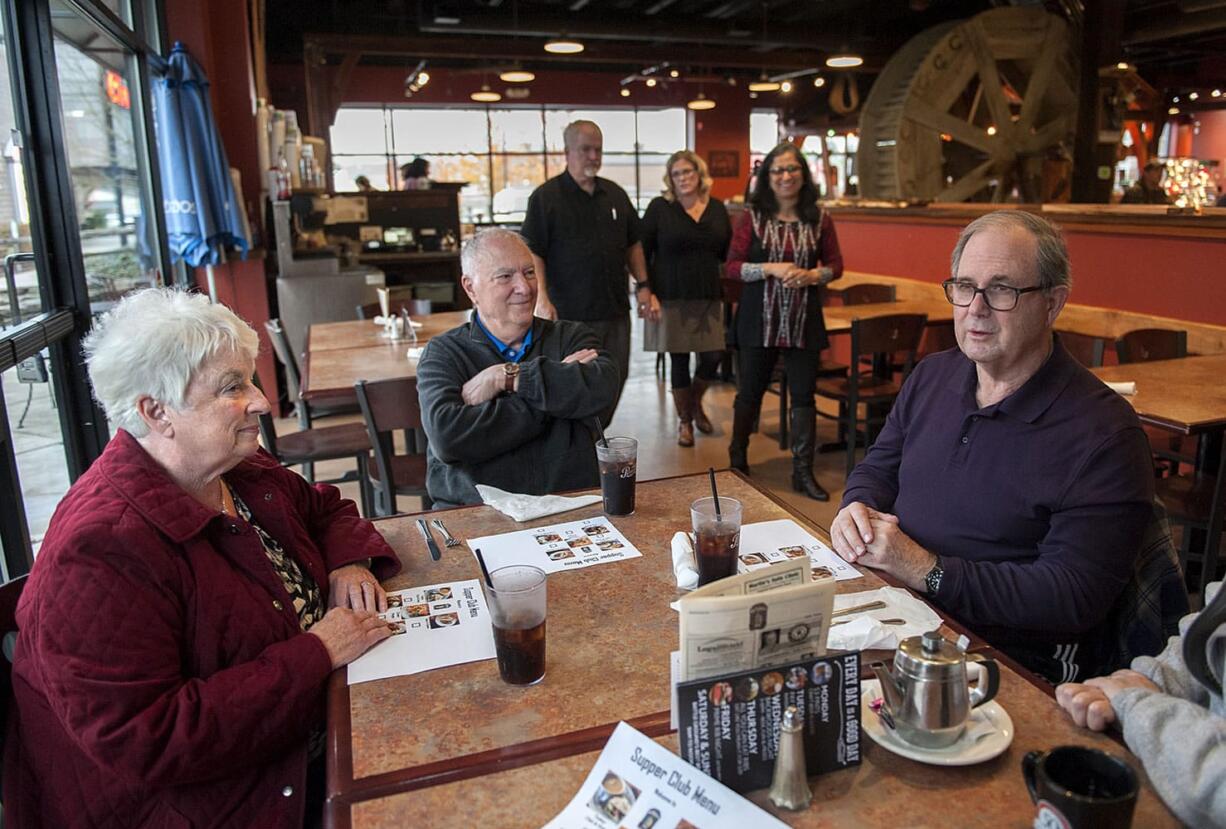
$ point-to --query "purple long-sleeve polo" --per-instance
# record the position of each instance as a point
(1036, 505)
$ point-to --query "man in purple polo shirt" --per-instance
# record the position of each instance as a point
(1009, 483)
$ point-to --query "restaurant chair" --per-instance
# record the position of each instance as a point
(1142, 346)
(388, 406)
(306, 411)
(1083, 348)
(413, 307)
(1147, 613)
(10, 593)
(317, 444)
(889, 337)
(1188, 499)
(867, 293)
(1146, 344)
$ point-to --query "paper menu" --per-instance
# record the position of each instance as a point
(557, 547)
(636, 782)
(767, 542)
(433, 626)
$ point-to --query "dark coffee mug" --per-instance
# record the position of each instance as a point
(1080, 788)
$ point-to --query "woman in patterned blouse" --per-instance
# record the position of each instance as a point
(784, 249)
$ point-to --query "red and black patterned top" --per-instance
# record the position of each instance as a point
(771, 315)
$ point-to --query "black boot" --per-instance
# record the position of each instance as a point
(804, 424)
(701, 422)
(742, 428)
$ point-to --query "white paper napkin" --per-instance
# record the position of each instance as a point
(865, 631)
(685, 567)
(415, 352)
(1123, 387)
(528, 507)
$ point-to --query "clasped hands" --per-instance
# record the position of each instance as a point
(490, 382)
(862, 534)
(1089, 702)
(796, 277)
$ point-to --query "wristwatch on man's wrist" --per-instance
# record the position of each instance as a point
(932, 581)
(638, 286)
(510, 371)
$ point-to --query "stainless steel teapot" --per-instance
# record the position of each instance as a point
(927, 695)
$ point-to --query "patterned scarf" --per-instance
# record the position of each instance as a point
(784, 310)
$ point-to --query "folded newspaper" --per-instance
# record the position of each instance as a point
(771, 616)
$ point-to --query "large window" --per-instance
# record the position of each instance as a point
(501, 153)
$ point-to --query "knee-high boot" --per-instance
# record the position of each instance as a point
(701, 422)
(804, 425)
(683, 399)
(742, 428)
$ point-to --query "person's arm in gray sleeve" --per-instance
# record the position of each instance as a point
(459, 433)
(1168, 671)
(1183, 748)
(571, 390)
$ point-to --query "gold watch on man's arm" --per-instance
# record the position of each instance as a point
(510, 371)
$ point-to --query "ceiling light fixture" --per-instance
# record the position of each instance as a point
(1217, 93)
(674, 73)
(651, 82)
(701, 102)
(844, 61)
(1173, 111)
(785, 87)
(819, 81)
(764, 84)
(991, 130)
(1192, 96)
(517, 76)
(563, 46)
(625, 93)
(485, 95)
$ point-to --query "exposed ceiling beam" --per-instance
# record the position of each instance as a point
(613, 54)
(631, 29)
(1182, 25)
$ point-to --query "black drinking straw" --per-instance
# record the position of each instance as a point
(603, 440)
(484, 570)
(715, 493)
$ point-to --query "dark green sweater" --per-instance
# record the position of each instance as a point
(538, 440)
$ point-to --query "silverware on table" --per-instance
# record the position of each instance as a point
(860, 608)
(879, 621)
(448, 538)
(431, 545)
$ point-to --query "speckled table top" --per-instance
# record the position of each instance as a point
(609, 638)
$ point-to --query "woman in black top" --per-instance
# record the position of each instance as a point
(685, 236)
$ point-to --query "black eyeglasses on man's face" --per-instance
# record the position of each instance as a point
(998, 296)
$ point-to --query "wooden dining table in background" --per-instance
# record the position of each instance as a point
(341, 353)
(458, 743)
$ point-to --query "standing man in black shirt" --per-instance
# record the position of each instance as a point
(584, 235)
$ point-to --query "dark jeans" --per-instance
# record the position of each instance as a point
(755, 365)
(614, 337)
(708, 364)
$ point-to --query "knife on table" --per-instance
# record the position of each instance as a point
(431, 545)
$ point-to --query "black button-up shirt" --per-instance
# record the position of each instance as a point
(583, 241)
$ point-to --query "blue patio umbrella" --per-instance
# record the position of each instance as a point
(203, 213)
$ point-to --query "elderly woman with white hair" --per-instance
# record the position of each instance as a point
(190, 599)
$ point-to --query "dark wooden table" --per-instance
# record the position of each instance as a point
(421, 749)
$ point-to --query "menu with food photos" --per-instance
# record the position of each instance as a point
(557, 547)
(432, 627)
(637, 782)
(729, 725)
(769, 542)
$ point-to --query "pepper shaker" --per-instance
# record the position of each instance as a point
(790, 784)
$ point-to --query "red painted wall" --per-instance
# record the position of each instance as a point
(1171, 277)
(724, 128)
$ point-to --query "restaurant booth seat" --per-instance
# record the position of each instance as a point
(317, 444)
(885, 339)
(388, 406)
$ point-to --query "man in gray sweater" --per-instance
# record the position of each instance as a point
(1171, 711)
(510, 399)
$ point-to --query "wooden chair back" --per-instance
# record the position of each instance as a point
(1085, 349)
(388, 406)
(1146, 344)
(268, 428)
(890, 334)
(869, 292)
(285, 354)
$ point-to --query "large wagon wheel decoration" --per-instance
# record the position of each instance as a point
(968, 110)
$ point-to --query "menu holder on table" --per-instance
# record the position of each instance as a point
(769, 616)
(636, 782)
(729, 724)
